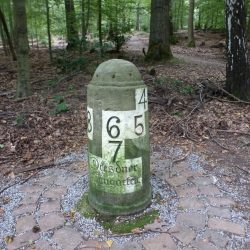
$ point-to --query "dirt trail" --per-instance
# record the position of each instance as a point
(203, 56)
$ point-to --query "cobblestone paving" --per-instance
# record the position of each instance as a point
(206, 216)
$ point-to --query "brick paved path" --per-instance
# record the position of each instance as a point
(205, 216)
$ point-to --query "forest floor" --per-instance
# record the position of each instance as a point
(186, 102)
(188, 110)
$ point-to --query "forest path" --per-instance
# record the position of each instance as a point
(201, 55)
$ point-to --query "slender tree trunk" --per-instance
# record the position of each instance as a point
(191, 41)
(10, 19)
(5, 27)
(48, 29)
(5, 49)
(138, 12)
(83, 20)
(100, 24)
(72, 34)
(181, 14)
(88, 15)
(199, 20)
(22, 47)
(248, 28)
(237, 70)
(159, 39)
(83, 24)
(36, 31)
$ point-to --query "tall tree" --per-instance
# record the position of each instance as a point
(4, 43)
(99, 24)
(237, 70)
(72, 33)
(6, 30)
(48, 28)
(159, 39)
(138, 16)
(191, 41)
(85, 14)
(22, 48)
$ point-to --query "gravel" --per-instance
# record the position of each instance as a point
(91, 228)
(9, 199)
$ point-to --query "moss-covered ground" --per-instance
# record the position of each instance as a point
(113, 223)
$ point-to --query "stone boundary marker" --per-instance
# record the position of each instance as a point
(118, 139)
(207, 218)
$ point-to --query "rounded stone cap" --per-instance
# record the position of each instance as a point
(117, 72)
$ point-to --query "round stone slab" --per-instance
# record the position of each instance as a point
(118, 139)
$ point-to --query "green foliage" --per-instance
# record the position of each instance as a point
(1, 146)
(209, 14)
(61, 108)
(175, 85)
(68, 63)
(52, 83)
(177, 113)
(105, 46)
(116, 33)
(186, 89)
(71, 88)
(61, 105)
(20, 120)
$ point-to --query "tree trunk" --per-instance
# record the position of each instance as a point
(10, 17)
(83, 21)
(36, 32)
(88, 15)
(22, 48)
(237, 70)
(72, 34)
(191, 41)
(181, 14)
(99, 24)
(199, 20)
(159, 39)
(138, 13)
(5, 27)
(48, 29)
(5, 49)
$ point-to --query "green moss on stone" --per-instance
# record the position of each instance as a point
(128, 225)
(84, 208)
(111, 222)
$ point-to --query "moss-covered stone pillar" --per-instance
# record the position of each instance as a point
(118, 139)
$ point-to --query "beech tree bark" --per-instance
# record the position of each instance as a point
(72, 33)
(22, 48)
(237, 69)
(159, 39)
(191, 41)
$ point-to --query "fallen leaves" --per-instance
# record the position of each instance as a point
(1, 212)
(9, 239)
(109, 243)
